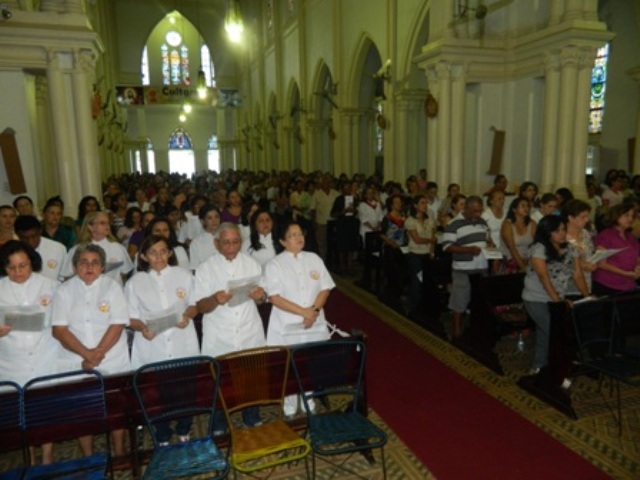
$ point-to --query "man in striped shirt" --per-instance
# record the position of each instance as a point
(465, 237)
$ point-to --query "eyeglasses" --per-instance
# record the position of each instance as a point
(158, 253)
(89, 263)
(296, 235)
(20, 266)
(227, 243)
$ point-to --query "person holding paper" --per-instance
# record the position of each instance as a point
(96, 229)
(552, 266)
(230, 323)
(619, 272)
(89, 317)
(159, 295)
(299, 285)
(576, 214)
(27, 349)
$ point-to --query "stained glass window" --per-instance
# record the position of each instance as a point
(180, 140)
(184, 57)
(598, 90)
(145, 66)
(213, 154)
(166, 78)
(207, 66)
(379, 146)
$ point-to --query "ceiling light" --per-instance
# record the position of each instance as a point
(233, 21)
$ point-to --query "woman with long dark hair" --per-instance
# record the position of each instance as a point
(516, 234)
(548, 277)
(262, 241)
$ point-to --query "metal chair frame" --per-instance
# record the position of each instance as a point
(11, 425)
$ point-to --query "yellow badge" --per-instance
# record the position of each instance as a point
(104, 307)
(181, 292)
(44, 300)
(314, 275)
(52, 264)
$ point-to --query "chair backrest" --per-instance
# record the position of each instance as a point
(329, 367)
(11, 431)
(64, 406)
(627, 309)
(177, 388)
(593, 324)
(256, 376)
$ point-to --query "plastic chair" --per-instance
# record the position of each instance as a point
(331, 373)
(11, 425)
(72, 405)
(596, 337)
(258, 378)
(171, 390)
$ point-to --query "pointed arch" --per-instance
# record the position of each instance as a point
(407, 71)
(362, 52)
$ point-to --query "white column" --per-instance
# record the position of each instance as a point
(48, 180)
(556, 10)
(314, 145)
(432, 128)
(550, 124)
(68, 171)
(442, 174)
(581, 134)
(635, 74)
(566, 120)
(85, 133)
(458, 88)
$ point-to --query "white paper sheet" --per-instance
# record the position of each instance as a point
(602, 254)
(23, 318)
(160, 322)
(239, 289)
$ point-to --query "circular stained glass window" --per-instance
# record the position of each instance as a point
(173, 38)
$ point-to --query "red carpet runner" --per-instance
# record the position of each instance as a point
(457, 430)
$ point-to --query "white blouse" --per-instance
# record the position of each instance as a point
(53, 256)
(299, 279)
(89, 311)
(152, 291)
(201, 248)
(26, 355)
(263, 255)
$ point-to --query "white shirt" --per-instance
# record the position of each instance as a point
(181, 257)
(322, 203)
(263, 255)
(201, 248)
(495, 224)
(26, 355)
(367, 213)
(194, 226)
(152, 291)
(115, 253)
(53, 255)
(89, 311)
(228, 329)
(299, 279)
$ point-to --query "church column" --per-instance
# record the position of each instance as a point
(567, 111)
(48, 176)
(85, 134)
(432, 128)
(550, 124)
(408, 136)
(635, 74)
(556, 10)
(581, 120)
(62, 120)
(458, 88)
(442, 174)
(314, 145)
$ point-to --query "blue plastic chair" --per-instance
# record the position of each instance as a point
(72, 404)
(171, 390)
(330, 374)
(11, 425)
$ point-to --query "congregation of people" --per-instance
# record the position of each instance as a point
(248, 252)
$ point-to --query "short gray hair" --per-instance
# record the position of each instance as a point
(227, 227)
(91, 248)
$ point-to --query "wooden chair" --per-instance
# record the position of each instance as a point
(172, 390)
(258, 378)
(63, 412)
(330, 373)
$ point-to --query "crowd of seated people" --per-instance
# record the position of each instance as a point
(161, 244)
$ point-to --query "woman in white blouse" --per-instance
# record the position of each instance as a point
(298, 284)
(159, 289)
(96, 229)
(202, 247)
(26, 354)
(261, 241)
(89, 319)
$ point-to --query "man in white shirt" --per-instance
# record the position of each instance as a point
(227, 325)
(53, 254)
(321, 204)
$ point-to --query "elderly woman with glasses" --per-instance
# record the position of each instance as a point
(298, 284)
(89, 319)
(26, 351)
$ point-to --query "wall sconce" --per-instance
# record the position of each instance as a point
(5, 13)
(233, 21)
